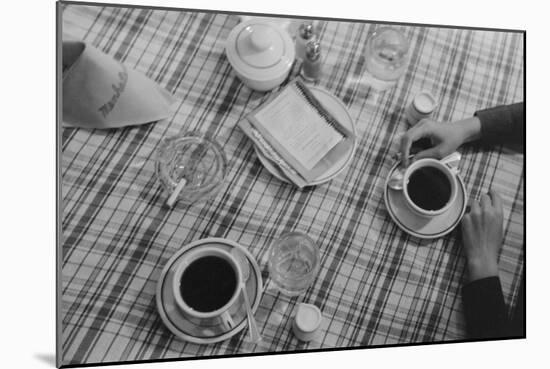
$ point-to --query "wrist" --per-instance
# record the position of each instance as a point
(471, 129)
(480, 269)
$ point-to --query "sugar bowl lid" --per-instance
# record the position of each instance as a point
(259, 49)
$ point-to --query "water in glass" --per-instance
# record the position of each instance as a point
(294, 263)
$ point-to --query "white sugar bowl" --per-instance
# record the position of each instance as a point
(261, 53)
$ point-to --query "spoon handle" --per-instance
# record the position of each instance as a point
(255, 336)
(452, 160)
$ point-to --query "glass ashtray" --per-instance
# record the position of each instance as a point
(190, 167)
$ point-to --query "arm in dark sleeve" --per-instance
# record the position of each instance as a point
(502, 124)
(485, 309)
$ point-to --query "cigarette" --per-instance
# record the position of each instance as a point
(172, 199)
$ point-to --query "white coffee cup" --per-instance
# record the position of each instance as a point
(221, 315)
(449, 172)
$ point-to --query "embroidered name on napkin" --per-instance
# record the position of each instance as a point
(117, 89)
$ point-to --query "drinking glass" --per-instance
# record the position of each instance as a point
(293, 263)
(386, 58)
(193, 162)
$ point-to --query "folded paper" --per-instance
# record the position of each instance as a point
(100, 92)
(297, 133)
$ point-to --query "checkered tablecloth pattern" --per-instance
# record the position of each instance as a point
(376, 284)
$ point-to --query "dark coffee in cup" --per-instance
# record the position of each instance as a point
(429, 188)
(208, 283)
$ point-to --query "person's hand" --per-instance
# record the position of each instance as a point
(482, 236)
(445, 137)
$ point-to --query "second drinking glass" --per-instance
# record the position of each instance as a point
(293, 263)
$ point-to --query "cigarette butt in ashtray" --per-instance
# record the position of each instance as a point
(173, 197)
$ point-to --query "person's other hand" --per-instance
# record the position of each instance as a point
(482, 236)
(445, 137)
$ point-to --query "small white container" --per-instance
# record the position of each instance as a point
(261, 53)
(421, 107)
(307, 322)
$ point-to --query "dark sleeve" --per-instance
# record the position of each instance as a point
(502, 124)
(485, 309)
(517, 321)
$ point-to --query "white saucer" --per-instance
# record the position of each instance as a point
(183, 328)
(340, 112)
(417, 226)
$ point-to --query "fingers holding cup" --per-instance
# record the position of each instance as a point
(486, 203)
(409, 137)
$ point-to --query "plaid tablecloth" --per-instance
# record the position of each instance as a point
(376, 285)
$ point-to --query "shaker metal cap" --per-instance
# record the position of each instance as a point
(306, 30)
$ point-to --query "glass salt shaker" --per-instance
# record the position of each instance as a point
(311, 67)
(305, 35)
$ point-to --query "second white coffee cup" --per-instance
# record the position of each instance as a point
(428, 196)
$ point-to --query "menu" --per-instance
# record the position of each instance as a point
(296, 132)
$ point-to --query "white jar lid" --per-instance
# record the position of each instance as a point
(260, 50)
(308, 318)
(424, 102)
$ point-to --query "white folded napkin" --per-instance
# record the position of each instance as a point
(100, 92)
